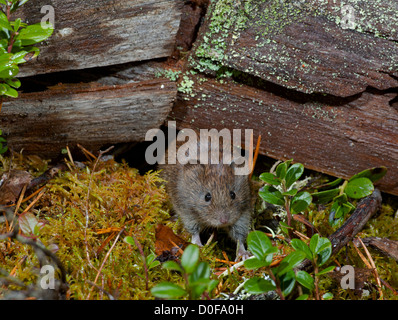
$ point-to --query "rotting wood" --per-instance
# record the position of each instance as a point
(307, 47)
(95, 33)
(43, 123)
(365, 209)
(340, 137)
(386, 246)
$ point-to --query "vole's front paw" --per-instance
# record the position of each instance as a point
(243, 255)
(196, 240)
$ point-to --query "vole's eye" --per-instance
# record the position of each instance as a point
(208, 197)
(232, 195)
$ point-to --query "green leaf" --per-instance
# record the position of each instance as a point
(331, 184)
(272, 195)
(300, 202)
(13, 82)
(287, 282)
(359, 188)
(327, 296)
(258, 285)
(201, 272)
(3, 46)
(17, 24)
(254, 263)
(284, 227)
(190, 258)
(3, 89)
(281, 169)
(326, 270)
(29, 224)
(270, 178)
(305, 280)
(8, 69)
(4, 23)
(10, 92)
(129, 240)
(290, 262)
(325, 196)
(151, 262)
(260, 245)
(300, 245)
(167, 290)
(293, 174)
(314, 243)
(340, 199)
(18, 57)
(324, 251)
(16, 4)
(291, 192)
(33, 34)
(3, 149)
(303, 297)
(172, 265)
(3, 2)
(339, 211)
(373, 174)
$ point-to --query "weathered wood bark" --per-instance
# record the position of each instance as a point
(313, 46)
(317, 91)
(340, 137)
(366, 208)
(385, 246)
(95, 33)
(92, 115)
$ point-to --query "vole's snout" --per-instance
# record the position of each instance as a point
(224, 218)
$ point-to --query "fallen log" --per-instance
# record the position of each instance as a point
(94, 33)
(310, 46)
(93, 115)
(366, 208)
(336, 136)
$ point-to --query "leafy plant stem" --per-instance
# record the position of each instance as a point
(143, 260)
(277, 284)
(12, 39)
(8, 9)
(289, 214)
(316, 282)
(342, 187)
(187, 287)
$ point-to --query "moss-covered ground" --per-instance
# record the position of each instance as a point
(84, 213)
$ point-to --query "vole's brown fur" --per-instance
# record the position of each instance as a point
(230, 205)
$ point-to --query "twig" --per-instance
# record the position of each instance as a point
(88, 204)
(255, 155)
(34, 201)
(277, 284)
(39, 249)
(17, 206)
(374, 269)
(101, 289)
(366, 208)
(70, 156)
(17, 265)
(138, 245)
(103, 262)
(87, 153)
(33, 194)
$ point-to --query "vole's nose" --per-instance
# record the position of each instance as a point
(224, 217)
